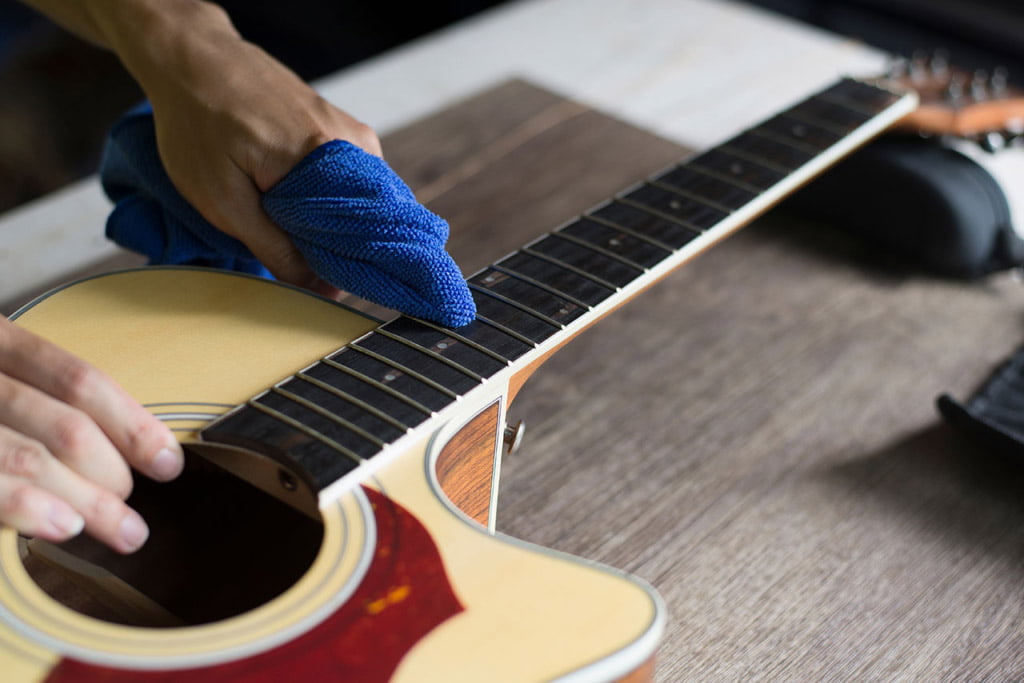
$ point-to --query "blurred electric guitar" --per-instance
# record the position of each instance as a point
(360, 459)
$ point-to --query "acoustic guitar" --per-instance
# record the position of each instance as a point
(342, 471)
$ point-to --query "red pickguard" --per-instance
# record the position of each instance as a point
(404, 595)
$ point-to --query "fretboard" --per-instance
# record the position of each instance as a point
(336, 417)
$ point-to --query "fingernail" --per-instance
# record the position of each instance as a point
(134, 532)
(65, 519)
(167, 464)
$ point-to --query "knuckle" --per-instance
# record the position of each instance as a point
(18, 502)
(24, 460)
(331, 123)
(104, 510)
(365, 137)
(72, 434)
(77, 382)
(142, 436)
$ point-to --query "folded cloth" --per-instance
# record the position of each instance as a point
(358, 225)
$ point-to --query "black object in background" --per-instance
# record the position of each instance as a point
(994, 415)
(981, 33)
(316, 37)
(921, 200)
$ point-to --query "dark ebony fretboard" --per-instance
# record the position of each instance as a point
(341, 411)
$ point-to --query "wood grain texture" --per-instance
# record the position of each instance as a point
(465, 466)
(756, 436)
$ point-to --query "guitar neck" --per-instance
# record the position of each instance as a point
(338, 419)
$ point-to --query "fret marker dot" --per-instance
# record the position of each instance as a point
(615, 242)
(675, 204)
(389, 377)
(736, 168)
(442, 345)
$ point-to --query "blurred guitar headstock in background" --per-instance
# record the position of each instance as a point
(981, 105)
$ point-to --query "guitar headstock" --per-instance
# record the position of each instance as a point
(980, 105)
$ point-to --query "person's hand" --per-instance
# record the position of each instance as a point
(231, 121)
(68, 434)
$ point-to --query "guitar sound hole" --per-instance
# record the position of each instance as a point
(218, 547)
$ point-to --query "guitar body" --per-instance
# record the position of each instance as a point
(404, 586)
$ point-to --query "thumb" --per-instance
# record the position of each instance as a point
(278, 253)
(249, 224)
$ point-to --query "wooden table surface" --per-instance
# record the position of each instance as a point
(756, 436)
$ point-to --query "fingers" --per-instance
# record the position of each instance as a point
(37, 513)
(40, 496)
(269, 243)
(278, 253)
(80, 414)
(68, 433)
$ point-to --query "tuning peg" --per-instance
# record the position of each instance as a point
(955, 88)
(939, 62)
(997, 141)
(979, 85)
(992, 141)
(999, 81)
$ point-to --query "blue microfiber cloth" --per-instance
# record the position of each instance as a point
(357, 223)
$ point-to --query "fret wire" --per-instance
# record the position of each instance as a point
(433, 354)
(839, 95)
(561, 264)
(821, 123)
(404, 370)
(305, 403)
(736, 151)
(509, 332)
(783, 140)
(791, 129)
(779, 153)
(630, 231)
(281, 417)
(667, 216)
(537, 283)
(600, 250)
(378, 385)
(712, 173)
(376, 412)
(835, 98)
(691, 195)
(515, 304)
(465, 340)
